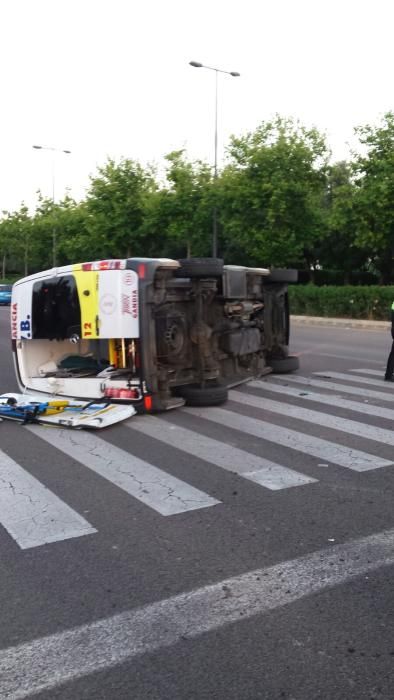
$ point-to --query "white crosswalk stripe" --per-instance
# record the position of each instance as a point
(31, 513)
(258, 469)
(374, 372)
(324, 450)
(327, 399)
(152, 486)
(326, 420)
(361, 392)
(349, 378)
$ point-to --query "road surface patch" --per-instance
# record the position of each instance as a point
(360, 380)
(51, 661)
(31, 513)
(342, 388)
(257, 469)
(152, 486)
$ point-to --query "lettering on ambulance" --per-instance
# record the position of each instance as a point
(134, 303)
(14, 321)
(87, 287)
(128, 278)
(21, 312)
(129, 305)
(25, 327)
(126, 304)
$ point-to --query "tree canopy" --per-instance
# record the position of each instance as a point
(279, 202)
(272, 192)
(374, 180)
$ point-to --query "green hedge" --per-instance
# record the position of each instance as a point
(337, 277)
(373, 303)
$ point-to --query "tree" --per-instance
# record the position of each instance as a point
(115, 208)
(187, 205)
(374, 170)
(338, 249)
(272, 193)
(45, 225)
(73, 241)
(15, 241)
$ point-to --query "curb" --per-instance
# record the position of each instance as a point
(340, 322)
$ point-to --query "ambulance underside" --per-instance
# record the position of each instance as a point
(145, 329)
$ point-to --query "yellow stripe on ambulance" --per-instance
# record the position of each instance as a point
(87, 287)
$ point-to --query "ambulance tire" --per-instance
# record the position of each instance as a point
(208, 395)
(284, 364)
(200, 267)
(282, 276)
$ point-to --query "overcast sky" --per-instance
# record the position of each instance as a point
(111, 79)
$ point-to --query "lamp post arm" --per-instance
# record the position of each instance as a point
(234, 73)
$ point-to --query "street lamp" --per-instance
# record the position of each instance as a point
(54, 150)
(234, 74)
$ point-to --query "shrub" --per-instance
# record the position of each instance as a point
(373, 302)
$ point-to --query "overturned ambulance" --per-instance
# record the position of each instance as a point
(152, 332)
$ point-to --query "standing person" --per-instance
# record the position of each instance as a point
(390, 362)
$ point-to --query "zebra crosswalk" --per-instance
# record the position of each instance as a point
(324, 450)
(333, 400)
(325, 420)
(142, 480)
(248, 437)
(258, 469)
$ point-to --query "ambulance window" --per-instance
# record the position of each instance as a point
(55, 309)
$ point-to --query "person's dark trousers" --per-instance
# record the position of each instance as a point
(390, 364)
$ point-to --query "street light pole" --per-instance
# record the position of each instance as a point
(234, 74)
(54, 150)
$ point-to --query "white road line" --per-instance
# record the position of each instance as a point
(257, 469)
(334, 386)
(326, 420)
(31, 513)
(324, 450)
(374, 372)
(46, 663)
(155, 488)
(359, 380)
(327, 399)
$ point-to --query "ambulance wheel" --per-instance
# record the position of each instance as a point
(200, 267)
(285, 364)
(282, 275)
(207, 395)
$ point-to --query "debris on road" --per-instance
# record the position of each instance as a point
(27, 408)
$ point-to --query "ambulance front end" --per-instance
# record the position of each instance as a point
(76, 332)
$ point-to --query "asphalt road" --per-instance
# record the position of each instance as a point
(239, 553)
